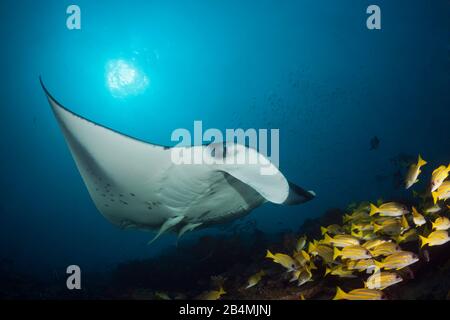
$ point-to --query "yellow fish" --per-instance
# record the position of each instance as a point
(356, 216)
(441, 223)
(363, 235)
(433, 209)
(413, 173)
(340, 240)
(382, 280)
(435, 238)
(442, 193)
(255, 279)
(323, 251)
(340, 271)
(417, 217)
(408, 236)
(361, 265)
(212, 295)
(283, 259)
(359, 294)
(302, 257)
(301, 242)
(438, 176)
(389, 227)
(332, 229)
(404, 223)
(302, 276)
(352, 253)
(362, 226)
(373, 243)
(389, 209)
(397, 260)
(385, 249)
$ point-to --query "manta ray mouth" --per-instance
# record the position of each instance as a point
(134, 183)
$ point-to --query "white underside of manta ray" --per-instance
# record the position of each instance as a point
(135, 184)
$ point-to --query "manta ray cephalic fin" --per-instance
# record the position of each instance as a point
(170, 223)
(188, 227)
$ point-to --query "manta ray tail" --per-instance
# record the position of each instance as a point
(170, 223)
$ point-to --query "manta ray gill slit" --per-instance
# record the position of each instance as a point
(124, 78)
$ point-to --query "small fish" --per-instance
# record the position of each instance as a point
(418, 218)
(362, 226)
(374, 143)
(340, 271)
(362, 212)
(373, 243)
(283, 259)
(397, 260)
(385, 249)
(363, 235)
(433, 209)
(389, 209)
(413, 173)
(389, 227)
(161, 296)
(302, 257)
(361, 265)
(435, 238)
(340, 241)
(382, 280)
(301, 242)
(255, 279)
(348, 219)
(323, 251)
(302, 276)
(333, 229)
(438, 176)
(441, 223)
(212, 295)
(424, 195)
(352, 253)
(408, 236)
(442, 193)
(359, 294)
(404, 223)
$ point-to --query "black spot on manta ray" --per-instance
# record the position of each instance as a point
(124, 202)
(132, 194)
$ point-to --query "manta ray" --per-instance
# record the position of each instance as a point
(135, 184)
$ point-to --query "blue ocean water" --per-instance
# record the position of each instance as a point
(310, 68)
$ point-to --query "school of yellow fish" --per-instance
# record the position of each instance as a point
(368, 242)
(370, 238)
